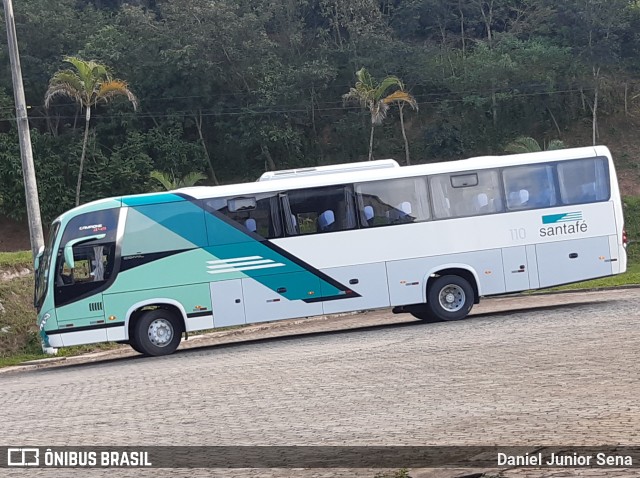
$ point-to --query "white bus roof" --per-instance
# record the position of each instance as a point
(332, 168)
(375, 174)
(350, 176)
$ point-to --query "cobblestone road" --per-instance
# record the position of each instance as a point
(552, 370)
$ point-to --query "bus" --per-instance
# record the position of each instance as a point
(429, 240)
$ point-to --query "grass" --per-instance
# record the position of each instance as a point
(18, 359)
(401, 473)
(18, 331)
(12, 260)
(629, 278)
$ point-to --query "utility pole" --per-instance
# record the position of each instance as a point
(28, 170)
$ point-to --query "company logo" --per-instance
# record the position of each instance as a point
(23, 457)
(93, 227)
(564, 217)
(563, 224)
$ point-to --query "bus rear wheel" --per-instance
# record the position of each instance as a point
(133, 343)
(157, 332)
(422, 312)
(450, 297)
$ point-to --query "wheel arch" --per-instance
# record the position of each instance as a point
(137, 309)
(458, 269)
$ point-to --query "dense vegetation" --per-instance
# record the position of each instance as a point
(229, 88)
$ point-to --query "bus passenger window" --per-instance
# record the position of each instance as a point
(401, 213)
(322, 209)
(529, 187)
(259, 213)
(584, 180)
(394, 201)
(468, 194)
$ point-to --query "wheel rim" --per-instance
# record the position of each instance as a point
(160, 332)
(452, 298)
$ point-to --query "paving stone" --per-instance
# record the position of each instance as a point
(532, 370)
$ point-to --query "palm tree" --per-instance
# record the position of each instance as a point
(170, 182)
(525, 144)
(371, 95)
(88, 84)
(402, 98)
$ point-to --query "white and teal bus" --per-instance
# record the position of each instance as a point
(428, 239)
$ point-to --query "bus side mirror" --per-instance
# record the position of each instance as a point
(36, 261)
(68, 248)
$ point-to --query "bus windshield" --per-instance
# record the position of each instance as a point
(42, 273)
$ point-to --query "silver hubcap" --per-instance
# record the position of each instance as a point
(452, 298)
(160, 332)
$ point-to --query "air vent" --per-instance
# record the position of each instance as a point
(94, 306)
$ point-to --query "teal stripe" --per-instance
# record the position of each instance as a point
(184, 219)
(153, 198)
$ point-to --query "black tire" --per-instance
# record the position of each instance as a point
(422, 312)
(450, 298)
(133, 343)
(157, 332)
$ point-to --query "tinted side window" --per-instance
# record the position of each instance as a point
(466, 194)
(584, 180)
(395, 201)
(93, 268)
(259, 213)
(316, 210)
(530, 187)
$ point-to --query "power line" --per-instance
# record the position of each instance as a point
(506, 89)
(284, 109)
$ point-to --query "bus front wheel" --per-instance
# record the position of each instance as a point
(157, 332)
(450, 297)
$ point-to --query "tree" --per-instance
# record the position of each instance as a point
(525, 144)
(170, 182)
(371, 95)
(598, 42)
(88, 84)
(402, 98)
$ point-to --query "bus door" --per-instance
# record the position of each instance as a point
(84, 268)
(78, 292)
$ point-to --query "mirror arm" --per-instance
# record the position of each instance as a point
(68, 248)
